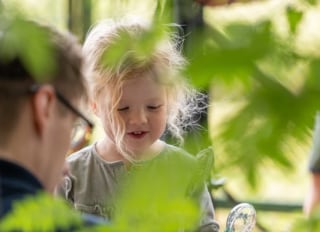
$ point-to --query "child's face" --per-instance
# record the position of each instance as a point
(143, 108)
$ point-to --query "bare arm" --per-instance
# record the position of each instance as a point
(312, 199)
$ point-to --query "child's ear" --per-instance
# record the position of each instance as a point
(93, 106)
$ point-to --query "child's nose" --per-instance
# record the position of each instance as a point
(138, 117)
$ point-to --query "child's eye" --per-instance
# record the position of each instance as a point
(123, 108)
(154, 107)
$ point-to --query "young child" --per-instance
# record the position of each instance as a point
(137, 98)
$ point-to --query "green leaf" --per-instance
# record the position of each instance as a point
(31, 43)
(40, 213)
(294, 17)
(312, 2)
(229, 55)
(158, 191)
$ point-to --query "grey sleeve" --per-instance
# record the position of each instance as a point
(65, 189)
(207, 222)
(314, 159)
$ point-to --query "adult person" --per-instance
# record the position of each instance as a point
(38, 109)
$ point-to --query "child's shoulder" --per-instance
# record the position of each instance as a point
(81, 156)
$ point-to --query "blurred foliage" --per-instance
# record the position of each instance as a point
(15, 32)
(41, 213)
(132, 46)
(263, 66)
(45, 11)
(139, 46)
(161, 194)
(309, 224)
(268, 67)
(270, 74)
(164, 191)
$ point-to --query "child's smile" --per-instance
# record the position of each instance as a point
(137, 134)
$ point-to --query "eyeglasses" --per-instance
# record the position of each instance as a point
(82, 128)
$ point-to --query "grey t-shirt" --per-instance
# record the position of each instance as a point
(93, 184)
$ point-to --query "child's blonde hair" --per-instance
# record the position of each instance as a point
(164, 63)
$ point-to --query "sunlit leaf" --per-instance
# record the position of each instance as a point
(229, 55)
(312, 2)
(40, 213)
(294, 17)
(160, 190)
(130, 48)
(309, 224)
(37, 55)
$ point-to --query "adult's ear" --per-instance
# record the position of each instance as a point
(43, 107)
